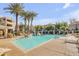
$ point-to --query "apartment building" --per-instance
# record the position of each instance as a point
(74, 24)
(7, 25)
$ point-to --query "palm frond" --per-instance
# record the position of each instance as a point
(14, 8)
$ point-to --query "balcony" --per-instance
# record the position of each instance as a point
(11, 23)
(9, 20)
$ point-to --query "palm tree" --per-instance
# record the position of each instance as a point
(21, 27)
(15, 8)
(33, 14)
(28, 20)
(24, 14)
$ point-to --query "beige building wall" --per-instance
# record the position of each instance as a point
(74, 25)
(9, 23)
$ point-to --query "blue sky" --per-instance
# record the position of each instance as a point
(47, 12)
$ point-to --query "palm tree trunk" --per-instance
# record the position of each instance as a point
(25, 25)
(16, 28)
(31, 23)
(28, 25)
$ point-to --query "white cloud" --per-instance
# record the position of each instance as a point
(66, 5)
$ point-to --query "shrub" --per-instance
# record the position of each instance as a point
(9, 35)
(19, 33)
(76, 31)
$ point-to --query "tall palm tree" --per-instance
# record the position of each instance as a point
(24, 14)
(28, 20)
(33, 14)
(15, 8)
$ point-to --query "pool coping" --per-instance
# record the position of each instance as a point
(17, 45)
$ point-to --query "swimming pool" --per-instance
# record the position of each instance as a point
(33, 41)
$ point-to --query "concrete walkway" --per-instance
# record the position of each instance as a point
(54, 48)
(4, 43)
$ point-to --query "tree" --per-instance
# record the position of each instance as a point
(15, 8)
(62, 26)
(33, 14)
(24, 14)
(21, 27)
(37, 28)
(49, 27)
(28, 17)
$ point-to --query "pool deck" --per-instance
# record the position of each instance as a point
(4, 43)
(52, 48)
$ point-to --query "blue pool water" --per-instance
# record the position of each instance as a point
(33, 41)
